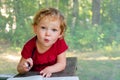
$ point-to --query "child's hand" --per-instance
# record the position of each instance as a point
(28, 64)
(46, 72)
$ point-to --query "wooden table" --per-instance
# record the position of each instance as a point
(69, 71)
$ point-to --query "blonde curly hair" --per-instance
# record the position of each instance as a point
(50, 12)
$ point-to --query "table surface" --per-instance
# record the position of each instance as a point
(38, 77)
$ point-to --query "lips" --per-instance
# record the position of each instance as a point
(46, 40)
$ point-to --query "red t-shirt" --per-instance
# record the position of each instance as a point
(40, 61)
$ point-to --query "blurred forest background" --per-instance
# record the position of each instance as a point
(92, 26)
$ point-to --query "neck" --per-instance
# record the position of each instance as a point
(41, 49)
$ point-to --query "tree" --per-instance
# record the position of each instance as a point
(96, 11)
(75, 12)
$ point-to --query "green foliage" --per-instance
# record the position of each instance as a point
(81, 34)
(94, 37)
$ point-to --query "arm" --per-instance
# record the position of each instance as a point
(59, 66)
(23, 65)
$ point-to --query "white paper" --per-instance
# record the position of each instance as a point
(62, 78)
(38, 77)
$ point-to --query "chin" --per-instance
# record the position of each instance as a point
(47, 45)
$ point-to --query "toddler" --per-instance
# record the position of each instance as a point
(45, 52)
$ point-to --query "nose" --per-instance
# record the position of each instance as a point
(47, 33)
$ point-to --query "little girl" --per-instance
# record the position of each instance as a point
(45, 52)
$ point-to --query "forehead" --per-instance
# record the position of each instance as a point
(50, 18)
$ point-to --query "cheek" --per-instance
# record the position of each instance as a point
(40, 33)
(59, 35)
(56, 36)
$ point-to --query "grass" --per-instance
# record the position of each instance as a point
(8, 63)
(98, 66)
(90, 66)
(8, 58)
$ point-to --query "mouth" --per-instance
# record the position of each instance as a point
(46, 40)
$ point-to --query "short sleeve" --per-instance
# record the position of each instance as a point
(61, 46)
(28, 48)
(26, 52)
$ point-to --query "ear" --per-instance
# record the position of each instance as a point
(35, 28)
(61, 35)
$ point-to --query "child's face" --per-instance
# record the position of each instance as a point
(48, 31)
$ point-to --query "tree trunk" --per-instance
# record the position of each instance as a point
(96, 11)
(75, 12)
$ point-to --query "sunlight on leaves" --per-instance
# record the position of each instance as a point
(108, 48)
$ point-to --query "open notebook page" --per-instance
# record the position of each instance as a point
(38, 77)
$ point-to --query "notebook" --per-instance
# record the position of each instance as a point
(38, 77)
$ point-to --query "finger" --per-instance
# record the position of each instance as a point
(44, 74)
(41, 72)
(31, 59)
(30, 62)
(48, 75)
(25, 68)
(27, 65)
